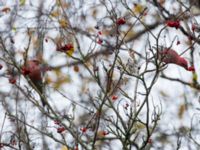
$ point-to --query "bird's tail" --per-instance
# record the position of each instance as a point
(41, 90)
(43, 101)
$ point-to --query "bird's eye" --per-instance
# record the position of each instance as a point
(36, 61)
(185, 65)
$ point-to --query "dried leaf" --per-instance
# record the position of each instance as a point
(48, 80)
(164, 94)
(65, 4)
(70, 52)
(63, 23)
(35, 42)
(131, 53)
(64, 148)
(6, 10)
(129, 35)
(138, 8)
(94, 13)
(194, 77)
(161, 2)
(140, 125)
(57, 71)
(14, 29)
(76, 68)
(181, 111)
(61, 80)
(55, 13)
(22, 2)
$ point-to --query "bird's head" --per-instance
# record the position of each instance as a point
(34, 61)
(182, 62)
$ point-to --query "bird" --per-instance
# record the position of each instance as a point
(34, 70)
(170, 56)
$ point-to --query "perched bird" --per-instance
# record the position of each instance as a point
(34, 71)
(170, 56)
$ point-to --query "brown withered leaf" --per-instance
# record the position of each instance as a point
(181, 111)
(6, 10)
(76, 68)
(55, 13)
(63, 23)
